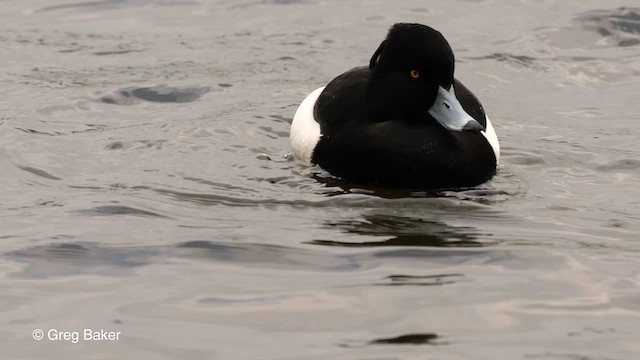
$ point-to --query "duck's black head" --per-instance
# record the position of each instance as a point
(412, 79)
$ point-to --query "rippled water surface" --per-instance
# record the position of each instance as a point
(146, 186)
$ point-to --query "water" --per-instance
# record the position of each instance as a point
(146, 186)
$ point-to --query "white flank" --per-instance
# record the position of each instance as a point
(491, 136)
(305, 130)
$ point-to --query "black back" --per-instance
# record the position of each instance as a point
(393, 152)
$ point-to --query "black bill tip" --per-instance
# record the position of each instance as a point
(473, 126)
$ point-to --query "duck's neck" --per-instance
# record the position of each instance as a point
(384, 103)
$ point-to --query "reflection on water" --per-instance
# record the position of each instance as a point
(406, 231)
(65, 259)
(74, 258)
(161, 94)
(504, 186)
(421, 280)
(411, 339)
(111, 210)
(621, 24)
(71, 259)
(408, 339)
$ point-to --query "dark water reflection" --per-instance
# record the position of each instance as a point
(411, 339)
(621, 24)
(406, 231)
(503, 187)
(161, 94)
(421, 280)
(72, 258)
(408, 339)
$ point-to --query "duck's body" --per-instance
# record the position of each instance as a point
(401, 121)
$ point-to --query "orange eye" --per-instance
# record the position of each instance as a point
(415, 74)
